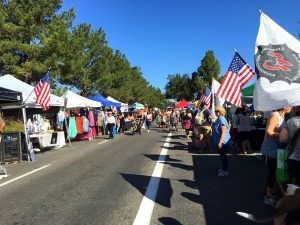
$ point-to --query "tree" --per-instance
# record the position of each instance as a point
(32, 37)
(197, 85)
(85, 50)
(179, 87)
(209, 68)
(59, 91)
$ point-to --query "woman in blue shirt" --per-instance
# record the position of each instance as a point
(221, 137)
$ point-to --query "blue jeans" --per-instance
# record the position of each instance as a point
(223, 156)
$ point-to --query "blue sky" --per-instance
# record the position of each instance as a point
(171, 36)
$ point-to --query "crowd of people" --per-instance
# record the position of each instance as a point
(218, 132)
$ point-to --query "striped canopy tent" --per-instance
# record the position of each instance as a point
(247, 94)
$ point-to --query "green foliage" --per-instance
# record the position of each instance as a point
(209, 68)
(33, 37)
(179, 87)
(183, 87)
(197, 85)
(59, 91)
(13, 124)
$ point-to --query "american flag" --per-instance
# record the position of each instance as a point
(205, 97)
(238, 74)
(42, 92)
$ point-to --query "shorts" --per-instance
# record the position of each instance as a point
(204, 131)
(294, 168)
(244, 135)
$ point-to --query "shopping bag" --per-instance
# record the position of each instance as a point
(144, 126)
(282, 172)
(114, 132)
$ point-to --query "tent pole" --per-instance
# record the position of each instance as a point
(31, 155)
(66, 124)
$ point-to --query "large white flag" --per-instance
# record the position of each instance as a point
(216, 101)
(277, 67)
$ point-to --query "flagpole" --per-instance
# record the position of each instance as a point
(30, 151)
(33, 89)
(234, 49)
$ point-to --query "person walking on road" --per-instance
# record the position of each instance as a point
(269, 150)
(221, 137)
(110, 124)
(173, 121)
(244, 130)
(290, 133)
(148, 120)
(187, 122)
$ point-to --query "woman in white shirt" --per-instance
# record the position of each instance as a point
(110, 124)
(148, 120)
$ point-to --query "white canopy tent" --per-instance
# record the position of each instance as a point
(77, 101)
(124, 106)
(12, 83)
(114, 100)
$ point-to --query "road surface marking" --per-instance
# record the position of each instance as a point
(102, 142)
(26, 174)
(144, 213)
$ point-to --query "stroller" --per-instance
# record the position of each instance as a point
(134, 127)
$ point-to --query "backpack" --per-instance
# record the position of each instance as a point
(199, 118)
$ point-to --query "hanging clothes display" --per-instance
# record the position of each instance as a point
(72, 131)
(61, 115)
(86, 125)
(91, 117)
(79, 124)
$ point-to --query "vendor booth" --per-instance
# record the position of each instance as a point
(85, 116)
(40, 125)
(10, 147)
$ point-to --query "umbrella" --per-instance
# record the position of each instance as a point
(138, 105)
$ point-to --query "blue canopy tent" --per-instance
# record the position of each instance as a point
(104, 101)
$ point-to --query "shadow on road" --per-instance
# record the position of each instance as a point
(155, 157)
(180, 166)
(141, 182)
(221, 197)
(169, 221)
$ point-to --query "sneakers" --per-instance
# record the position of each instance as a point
(270, 201)
(223, 173)
(220, 170)
(148, 131)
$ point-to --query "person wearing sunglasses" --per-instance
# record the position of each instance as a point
(221, 137)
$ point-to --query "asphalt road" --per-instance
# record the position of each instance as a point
(104, 182)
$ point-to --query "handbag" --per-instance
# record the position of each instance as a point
(282, 172)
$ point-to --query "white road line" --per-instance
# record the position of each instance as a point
(102, 142)
(26, 174)
(144, 214)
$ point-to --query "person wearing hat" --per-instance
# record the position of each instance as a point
(110, 124)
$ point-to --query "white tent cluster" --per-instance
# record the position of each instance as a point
(29, 98)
